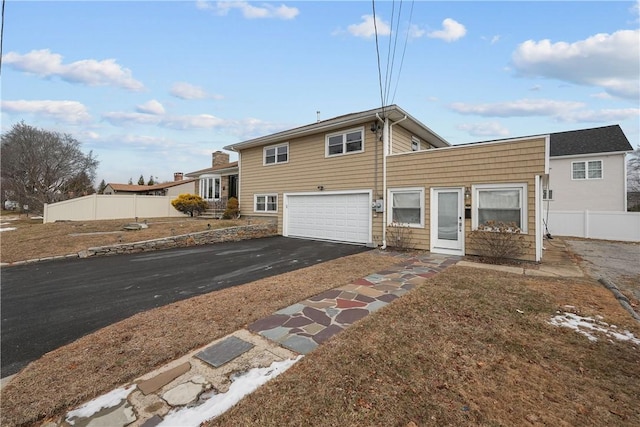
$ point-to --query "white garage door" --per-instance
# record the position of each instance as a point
(340, 217)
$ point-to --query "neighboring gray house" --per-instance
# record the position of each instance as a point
(587, 170)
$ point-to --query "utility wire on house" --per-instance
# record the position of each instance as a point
(375, 27)
(1, 36)
(385, 88)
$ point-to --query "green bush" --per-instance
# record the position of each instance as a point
(190, 203)
(232, 211)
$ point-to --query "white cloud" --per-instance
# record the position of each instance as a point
(415, 32)
(367, 29)
(601, 95)
(562, 111)
(451, 31)
(151, 107)
(484, 129)
(201, 121)
(609, 61)
(493, 40)
(90, 72)
(117, 118)
(72, 112)
(249, 11)
(184, 90)
(535, 88)
(519, 108)
(600, 116)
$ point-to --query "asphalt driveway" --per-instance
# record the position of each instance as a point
(50, 304)
(616, 261)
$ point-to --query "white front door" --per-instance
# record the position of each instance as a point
(447, 221)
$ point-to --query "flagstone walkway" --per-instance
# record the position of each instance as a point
(303, 326)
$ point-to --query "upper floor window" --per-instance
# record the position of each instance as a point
(415, 144)
(276, 154)
(591, 169)
(351, 141)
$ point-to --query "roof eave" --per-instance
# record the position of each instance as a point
(393, 112)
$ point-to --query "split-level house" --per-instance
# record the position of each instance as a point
(357, 177)
(218, 183)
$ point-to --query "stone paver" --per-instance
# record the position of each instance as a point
(297, 329)
(320, 317)
(224, 351)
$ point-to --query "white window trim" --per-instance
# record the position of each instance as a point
(344, 142)
(418, 143)
(264, 154)
(586, 169)
(202, 186)
(266, 204)
(524, 227)
(390, 205)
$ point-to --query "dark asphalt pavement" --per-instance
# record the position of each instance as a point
(49, 304)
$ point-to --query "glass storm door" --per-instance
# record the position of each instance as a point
(447, 221)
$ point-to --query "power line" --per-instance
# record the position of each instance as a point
(1, 36)
(393, 56)
(403, 51)
(375, 27)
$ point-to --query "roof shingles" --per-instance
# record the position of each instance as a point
(606, 139)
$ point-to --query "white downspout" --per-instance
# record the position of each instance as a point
(386, 141)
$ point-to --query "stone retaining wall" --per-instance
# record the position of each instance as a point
(232, 234)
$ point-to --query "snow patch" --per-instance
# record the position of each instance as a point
(220, 403)
(109, 400)
(8, 228)
(587, 325)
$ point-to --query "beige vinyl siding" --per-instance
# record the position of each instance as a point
(307, 169)
(464, 166)
(401, 140)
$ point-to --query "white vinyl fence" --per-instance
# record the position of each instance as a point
(595, 225)
(110, 206)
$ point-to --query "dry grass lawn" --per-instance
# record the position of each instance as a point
(128, 349)
(32, 239)
(456, 351)
(468, 347)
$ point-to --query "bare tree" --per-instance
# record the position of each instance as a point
(40, 166)
(633, 181)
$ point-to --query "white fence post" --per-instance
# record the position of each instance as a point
(586, 223)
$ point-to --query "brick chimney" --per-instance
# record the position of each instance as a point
(219, 158)
(178, 176)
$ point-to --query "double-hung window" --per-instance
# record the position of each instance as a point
(505, 203)
(276, 154)
(266, 203)
(406, 206)
(351, 141)
(591, 169)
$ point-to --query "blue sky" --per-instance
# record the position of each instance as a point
(154, 87)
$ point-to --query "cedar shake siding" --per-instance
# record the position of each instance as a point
(511, 162)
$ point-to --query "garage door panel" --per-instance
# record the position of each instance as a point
(341, 217)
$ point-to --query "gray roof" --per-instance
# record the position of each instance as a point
(604, 139)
